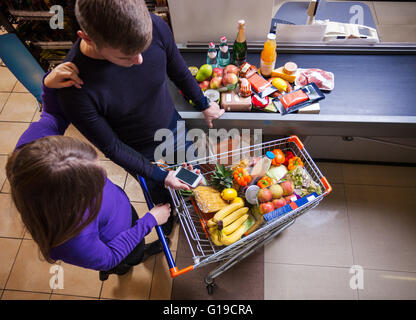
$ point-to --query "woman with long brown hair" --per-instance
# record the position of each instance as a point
(72, 210)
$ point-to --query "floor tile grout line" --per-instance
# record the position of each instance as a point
(125, 180)
(27, 291)
(307, 265)
(378, 185)
(350, 230)
(14, 238)
(5, 102)
(338, 267)
(14, 121)
(153, 276)
(74, 295)
(14, 262)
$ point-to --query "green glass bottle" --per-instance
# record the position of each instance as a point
(240, 45)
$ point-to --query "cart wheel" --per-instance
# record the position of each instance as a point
(210, 288)
(210, 285)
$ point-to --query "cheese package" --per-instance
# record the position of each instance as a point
(280, 73)
(231, 101)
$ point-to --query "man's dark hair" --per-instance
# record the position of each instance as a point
(119, 24)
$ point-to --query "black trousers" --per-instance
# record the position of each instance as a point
(136, 255)
(157, 190)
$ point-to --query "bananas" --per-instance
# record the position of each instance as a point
(235, 236)
(227, 226)
(227, 210)
(234, 226)
(231, 218)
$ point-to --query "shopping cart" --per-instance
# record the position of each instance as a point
(193, 222)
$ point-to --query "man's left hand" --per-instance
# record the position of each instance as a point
(212, 113)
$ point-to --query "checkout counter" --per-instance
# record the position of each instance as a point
(370, 115)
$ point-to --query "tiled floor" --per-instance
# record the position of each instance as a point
(369, 220)
(23, 275)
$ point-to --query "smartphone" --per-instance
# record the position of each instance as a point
(187, 176)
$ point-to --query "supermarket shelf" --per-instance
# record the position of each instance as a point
(53, 44)
(161, 10)
(31, 15)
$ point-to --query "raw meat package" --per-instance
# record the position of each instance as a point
(324, 80)
(295, 100)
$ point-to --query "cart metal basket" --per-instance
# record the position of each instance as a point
(193, 224)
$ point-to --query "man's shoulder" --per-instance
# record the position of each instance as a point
(74, 53)
(159, 24)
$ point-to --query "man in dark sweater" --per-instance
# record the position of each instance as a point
(124, 56)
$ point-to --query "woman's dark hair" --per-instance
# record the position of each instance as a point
(57, 187)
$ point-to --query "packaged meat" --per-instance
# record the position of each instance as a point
(244, 88)
(293, 98)
(324, 80)
(246, 70)
(298, 99)
(261, 85)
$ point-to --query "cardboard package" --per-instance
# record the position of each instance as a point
(231, 101)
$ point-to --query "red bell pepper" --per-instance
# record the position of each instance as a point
(288, 155)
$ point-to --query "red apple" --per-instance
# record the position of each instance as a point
(278, 203)
(204, 85)
(229, 78)
(216, 82)
(287, 187)
(231, 69)
(217, 72)
(264, 195)
(291, 198)
(266, 207)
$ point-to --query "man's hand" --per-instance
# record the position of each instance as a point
(212, 113)
(64, 75)
(174, 183)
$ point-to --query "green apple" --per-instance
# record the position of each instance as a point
(204, 72)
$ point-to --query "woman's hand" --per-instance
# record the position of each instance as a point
(161, 213)
(62, 76)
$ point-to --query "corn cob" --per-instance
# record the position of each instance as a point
(234, 226)
(220, 215)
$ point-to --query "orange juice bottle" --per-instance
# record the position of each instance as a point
(268, 55)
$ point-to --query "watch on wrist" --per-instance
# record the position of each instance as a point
(208, 102)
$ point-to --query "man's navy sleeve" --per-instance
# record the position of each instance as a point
(178, 71)
(79, 110)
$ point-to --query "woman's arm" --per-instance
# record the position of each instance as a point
(88, 251)
(48, 125)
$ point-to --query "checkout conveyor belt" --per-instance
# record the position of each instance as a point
(374, 96)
